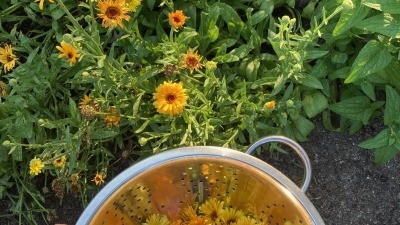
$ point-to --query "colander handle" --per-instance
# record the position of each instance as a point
(294, 145)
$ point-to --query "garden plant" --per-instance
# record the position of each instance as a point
(85, 85)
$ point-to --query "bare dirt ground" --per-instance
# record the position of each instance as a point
(347, 186)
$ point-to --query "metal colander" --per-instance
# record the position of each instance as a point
(167, 182)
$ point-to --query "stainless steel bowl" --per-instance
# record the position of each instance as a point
(166, 182)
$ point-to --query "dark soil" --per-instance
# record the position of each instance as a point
(347, 186)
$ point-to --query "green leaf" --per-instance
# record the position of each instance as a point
(314, 103)
(391, 74)
(392, 109)
(309, 81)
(349, 18)
(303, 128)
(368, 89)
(151, 3)
(383, 23)
(388, 6)
(352, 108)
(384, 154)
(258, 17)
(103, 134)
(373, 57)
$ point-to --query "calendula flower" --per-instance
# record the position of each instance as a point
(192, 60)
(176, 222)
(247, 221)
(170, 98)
(198, 220)
(132, 4)
(60, 162)
(7, 58)
(177, 19)
(88, 108)
(68, 51)
(270, 105)
(231, 215)
(157, 219)
(98, 178)
(112, 12)
(188, 213)
(35, 166)
(112, 119)
(212, 209)
(41, 3)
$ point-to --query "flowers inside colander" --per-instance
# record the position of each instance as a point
(204, 185)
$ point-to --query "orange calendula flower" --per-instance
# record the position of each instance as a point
(98, 178)
(35, 166)
(7, 58)
(41, 3)
(192, 60)
(60, 162)
(177, 19)
(113, 12)
(270, 105)
(170, 98)
(68, 51)
(112, 119)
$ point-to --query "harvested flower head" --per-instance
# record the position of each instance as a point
(98, 178)
(212, 209)
(112, 12)
(270, 105)
(132, 4)
(192, 60)
(41, 3)
(170, 98)
(188, 213)
(68, 51)
(112, 119)
(88, 108)
(157, 219)
(231, 216)
(60, 162)
(35, 166)
(177, 19)
(247, 221)
(7, 58)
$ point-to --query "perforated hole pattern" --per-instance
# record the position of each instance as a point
(167, 188)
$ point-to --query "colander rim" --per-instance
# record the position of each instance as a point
(196, 151)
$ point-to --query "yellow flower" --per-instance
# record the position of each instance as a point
(176, 222)
(7, 58)
(68, 51)
(188, 213)
(270, 105)
(212, 209)
(170, 98)
(177, 19)
(112, 119)
(98, 178)
(85, 101)
(35, 166)
(41, 3)
(60, 161)
(247, 221)
(192, 60)
(231, 215)
(198, 220)
(112, 12)
(157, 219)
(132, 4)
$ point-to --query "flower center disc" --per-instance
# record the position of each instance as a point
(171, 98)
(112, 12)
